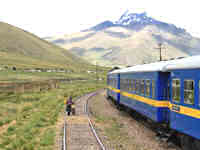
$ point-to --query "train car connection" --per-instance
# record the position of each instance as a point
(166, 92)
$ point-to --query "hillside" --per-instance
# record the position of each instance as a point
(131, 40)
(22, 49)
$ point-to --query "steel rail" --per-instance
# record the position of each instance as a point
(64, 136)
(91, 125)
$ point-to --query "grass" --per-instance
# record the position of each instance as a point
(110, 125)
(29, 119)
(21, 76)
(21, 48)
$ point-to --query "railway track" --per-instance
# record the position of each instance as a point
(79, 133)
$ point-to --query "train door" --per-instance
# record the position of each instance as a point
(164, 94)
(164, 86)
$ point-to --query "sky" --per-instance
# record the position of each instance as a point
(55, 17)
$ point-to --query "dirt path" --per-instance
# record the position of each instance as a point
(119, 131)
(79, 134)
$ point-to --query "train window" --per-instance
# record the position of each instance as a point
(130, 85)
(123, 81)
(142, 87)
(133, 85)
(199, 92)
(153, 89)
(121, 84)
(124, 84)
(168, 89)
(147, 91)
(127, 85)
(176, 90)
(137, 86)
(189, 91)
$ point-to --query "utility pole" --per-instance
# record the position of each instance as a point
(160, 49)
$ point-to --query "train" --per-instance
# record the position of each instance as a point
(166, 92)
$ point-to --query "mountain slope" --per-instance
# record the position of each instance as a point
(131, 40)
(23, 49)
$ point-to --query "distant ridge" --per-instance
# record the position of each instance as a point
(130, 40)
(23, 49)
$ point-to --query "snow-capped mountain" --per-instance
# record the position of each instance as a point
(130, 40)
(138, 21)
(132, 18)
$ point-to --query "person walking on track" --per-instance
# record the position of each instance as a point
(69, 106)
(73, 108)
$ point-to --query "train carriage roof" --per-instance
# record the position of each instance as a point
(192, 62)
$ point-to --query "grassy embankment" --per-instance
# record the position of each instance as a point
(25, 50)
(112, 125)
(27, 121)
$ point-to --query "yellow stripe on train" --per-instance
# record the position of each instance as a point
(115, 90)
(173, 107)
(185, 110)
(149, 101)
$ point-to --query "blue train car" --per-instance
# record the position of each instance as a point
(185, 99)
(145, 89)
(166, 92)
(143, 92)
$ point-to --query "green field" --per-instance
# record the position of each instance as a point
(28, 121)
(21, 76)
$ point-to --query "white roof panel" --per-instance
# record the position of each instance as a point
(184, 63)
